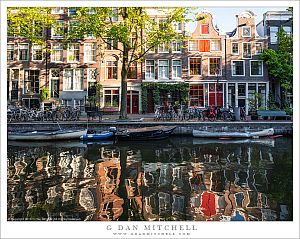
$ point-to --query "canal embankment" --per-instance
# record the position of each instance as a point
(182, 128)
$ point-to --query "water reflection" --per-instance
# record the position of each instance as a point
(176, 179)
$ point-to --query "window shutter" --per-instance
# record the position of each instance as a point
(204, 45)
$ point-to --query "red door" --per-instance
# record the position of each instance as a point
(128, 103)
(135, 104)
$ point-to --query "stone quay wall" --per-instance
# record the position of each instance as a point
(183, 128)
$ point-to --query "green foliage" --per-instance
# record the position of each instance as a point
(280, 63)
(45, 93)
(183, 88)
(288, 110)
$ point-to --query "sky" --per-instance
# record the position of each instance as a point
(225, 19)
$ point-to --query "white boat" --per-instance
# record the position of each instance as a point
(46, 135)
(226, 134)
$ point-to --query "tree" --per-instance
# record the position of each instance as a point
(137, 33)
(280, 63)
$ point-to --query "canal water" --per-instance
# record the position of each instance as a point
(179, 179)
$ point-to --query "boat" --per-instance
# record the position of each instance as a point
(46, 135)
(226, 134)
(146, 133)
(104, 135)
(262, 141)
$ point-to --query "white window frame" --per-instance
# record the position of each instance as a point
(112, 88)
(73, 77)
(190, 68)
(243, 68)
(243, 31)
(11, 50)
(276, 35)
(53, 78)
(211, 40)
(89, 70)
(93, 49)
(71, 24)
(235, 54)
(151, 66)
(176, 25)
(61, 10)
(112, 41)
(69, 53)
(27, 58)
(53, 30)
(69, 11)
(178, 44)
(106, 69)
(261, 44)
(158, 76)
(165, 48)
(177, 78)
(208, 73)
(262, 68)
(61, 49)
(33, 51)
(197, 45)
(250, 50)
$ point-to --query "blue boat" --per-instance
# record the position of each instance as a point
(104, 135)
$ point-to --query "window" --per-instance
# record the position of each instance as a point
(163, 69)
(204, 29)
(38, 29)
(246, 50)
(114, 14)
(54, 83)
(89, 52)
(176, 46)
(256, 68)
(263, 93)
(215, 45)
(287, 30)
(72, 11)
(246, 32)
(176, 69)
(57, 10)
(162, 23)
(31, 81)
(23, 52)
(204, 45)
(112, 69)
(73, 79)
(215, 66)
(234, 48)
(73, 52)
(111, 44)
(197, 95)
(73, 25)
(149, 74)
(195, 66)
(193, 45)
(163, 48)
(258, 48)
(37, 52)
(57, 31)
(111, 98)
(10, 52)
(238, 68)
(273, 35)
(132, 71)
(92, 74)
(177, 26)
(13, 76)
(57, 52)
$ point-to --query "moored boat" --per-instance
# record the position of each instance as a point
(223, 134)
(104, 135)
(46, 135)
(146, 133)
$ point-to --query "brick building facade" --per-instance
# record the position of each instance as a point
(220, 69)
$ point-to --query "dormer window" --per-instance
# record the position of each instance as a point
(204, 29)
(246, 32)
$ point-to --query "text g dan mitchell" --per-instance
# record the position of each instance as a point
(150, 227)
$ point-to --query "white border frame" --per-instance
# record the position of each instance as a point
(32, 45)
(250, 50)
(163, 79)
(51, 52)
(68, 52)
(176, 78)
(85, 55)
(221, 66)
(238, 53)
(243, 32)
(189, 57)
(145, 69)
(28, 53)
